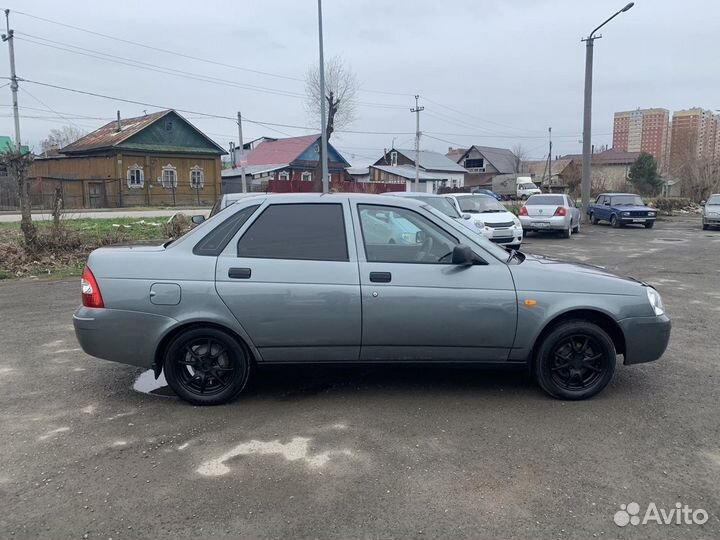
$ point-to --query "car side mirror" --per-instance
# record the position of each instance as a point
(420, 237)
(197, 220)
(463, 255)
(466, 216)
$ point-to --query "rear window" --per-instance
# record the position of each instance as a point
(215, 241)
(314, 232)
(546, 199)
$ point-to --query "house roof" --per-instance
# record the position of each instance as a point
(433, 161)
(358, 171)
(557, 166)
(280, 150)
(608, 157)
(455, 154)
(408, 172)
(500, 158)
(108, 136)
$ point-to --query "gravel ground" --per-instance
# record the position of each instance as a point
(369, 452)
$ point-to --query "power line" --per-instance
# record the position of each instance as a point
(208, 115)
(26, 91)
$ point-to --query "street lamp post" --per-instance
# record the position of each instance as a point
(587, 115)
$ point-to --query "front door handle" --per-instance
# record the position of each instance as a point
(380, 277)
(239, 273)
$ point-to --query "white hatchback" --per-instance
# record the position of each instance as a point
(490, 218)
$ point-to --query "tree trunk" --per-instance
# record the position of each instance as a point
(17, 165)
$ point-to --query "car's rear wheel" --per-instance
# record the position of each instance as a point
(576, 360)
(567, 233)
(649, 224)
(593, 219)
(577, 227)
(206, 366)
(615, 222)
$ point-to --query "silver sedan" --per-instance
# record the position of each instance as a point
(288, 279)
(550, 212)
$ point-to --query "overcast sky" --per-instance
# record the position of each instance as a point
(489, 72)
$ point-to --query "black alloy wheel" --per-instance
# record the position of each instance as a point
(206, 366)
(576, 360)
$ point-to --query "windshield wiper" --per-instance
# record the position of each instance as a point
(491, 211)
(471, 211)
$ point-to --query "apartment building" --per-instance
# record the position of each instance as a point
(643, 130)
(696, 132)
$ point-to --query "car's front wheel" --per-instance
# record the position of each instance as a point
(593, 219)
(206, 366)
(649, 224)
(615, 222)
(576, 360)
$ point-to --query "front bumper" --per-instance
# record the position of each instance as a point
(545, 223)
(128, 337)
(711, 220)
(637, 220)
(646, 338)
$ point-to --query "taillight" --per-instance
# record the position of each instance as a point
(91, 296)
(523, 211)
(560, 211)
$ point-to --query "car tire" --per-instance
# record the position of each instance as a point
(649, 225)
(206, 366)
(591, 360)
(614, 222)
(705, 227)
(577, 227)
(567, 233)
(523, 197)
(593, 219)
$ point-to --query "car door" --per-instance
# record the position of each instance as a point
(291, 280)
(416, 305)
(601, 211)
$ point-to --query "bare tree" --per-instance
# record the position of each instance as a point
(58, 138)
(18, 164)
(341, 86)
(700, 175)
(520, 154)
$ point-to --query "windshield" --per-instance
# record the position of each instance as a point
(715, 199)
(480, 204)
(545, 199)
(527, 186)
(442, 204)
(627, 200)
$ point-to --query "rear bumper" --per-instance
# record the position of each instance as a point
(541, 223)
(646, 338)
(128, 337)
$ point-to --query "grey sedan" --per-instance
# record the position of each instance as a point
(550, 212)
(287, 279)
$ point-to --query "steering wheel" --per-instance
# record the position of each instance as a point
(425, 250)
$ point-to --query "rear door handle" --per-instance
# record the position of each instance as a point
(239, 273)
(380, 277)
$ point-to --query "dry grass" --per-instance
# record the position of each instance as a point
(63, 251)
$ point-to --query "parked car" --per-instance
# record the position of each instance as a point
(711, 212)
(556, 213)
(298, 279)
(481, 191)
(441, 203)
(621, 209)
(490, 218)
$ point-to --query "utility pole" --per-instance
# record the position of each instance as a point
(323, 118)
(549, 159)
(587, 114)
(242, 154)
(9, 37)
(417, 111)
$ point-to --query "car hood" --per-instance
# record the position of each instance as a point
(539, 273)
(633, 208)
(493, 217)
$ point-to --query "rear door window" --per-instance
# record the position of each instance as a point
(314, 232)
(215, 241)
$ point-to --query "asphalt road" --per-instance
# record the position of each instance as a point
(368, 452)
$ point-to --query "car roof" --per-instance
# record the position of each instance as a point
(367, 198)
(613, 194)
(413, 194)
(472, 195)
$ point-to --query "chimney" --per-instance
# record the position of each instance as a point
(118, 128)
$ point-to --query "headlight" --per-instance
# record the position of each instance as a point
(626, 213)
(479, 224)
(517, 222)
(655, 301)
(651, 214)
